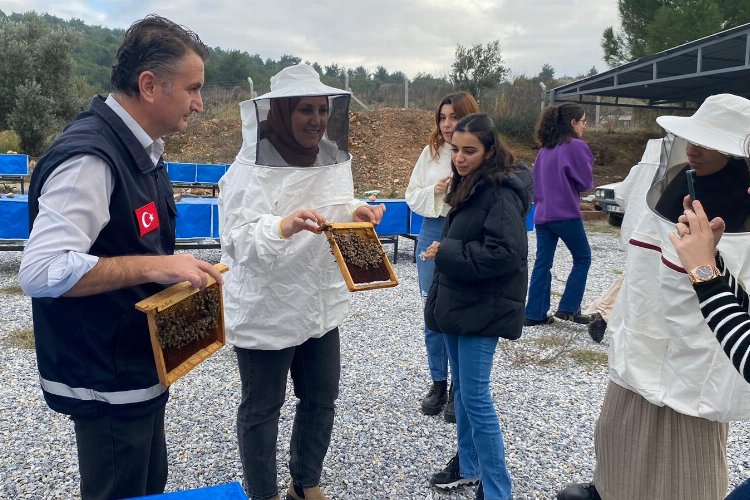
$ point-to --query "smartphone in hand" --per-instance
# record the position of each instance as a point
(691, 182)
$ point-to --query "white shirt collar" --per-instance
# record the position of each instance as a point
(154, 148)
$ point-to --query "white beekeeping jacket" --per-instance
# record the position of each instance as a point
(631, 193)
(280, 292)
(661, 346)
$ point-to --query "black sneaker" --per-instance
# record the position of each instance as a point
(449, 414)
(581, 491)
(535, 322)
(450, 478)
(434, 401)
(581, 319)
(597, 327)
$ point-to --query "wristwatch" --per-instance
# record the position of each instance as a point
(702, 274)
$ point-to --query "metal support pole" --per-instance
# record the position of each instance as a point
(406, 92)
(544, 94)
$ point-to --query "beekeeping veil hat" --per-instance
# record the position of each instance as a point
(268, 131)
(721, 123)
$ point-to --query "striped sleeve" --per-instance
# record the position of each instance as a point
(724, 304)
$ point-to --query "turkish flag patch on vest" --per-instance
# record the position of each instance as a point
(148, 218)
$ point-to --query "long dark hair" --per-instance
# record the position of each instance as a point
(153, 43)
(554, 125)
(463, 104)
(492, 169)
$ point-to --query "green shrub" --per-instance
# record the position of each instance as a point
(14, 289)
(516, 109)
(8, 141)
(546, 349)
(589, 357)
(22, 339)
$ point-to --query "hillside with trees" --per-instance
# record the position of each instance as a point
(54, 66)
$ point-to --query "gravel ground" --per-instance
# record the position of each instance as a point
(383, 447)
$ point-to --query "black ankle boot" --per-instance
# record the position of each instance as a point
(434, 401)
(450, 409)
(580, 491)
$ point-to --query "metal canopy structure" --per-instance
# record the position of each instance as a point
(678, 78)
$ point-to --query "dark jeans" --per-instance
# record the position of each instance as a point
(741, 492)
(121, 457)
(315, 367)
(571, 232)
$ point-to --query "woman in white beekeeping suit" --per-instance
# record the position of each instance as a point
(284, 295)
(662, 430)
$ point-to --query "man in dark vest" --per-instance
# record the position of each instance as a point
(102, 215)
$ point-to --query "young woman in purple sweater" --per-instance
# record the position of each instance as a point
(563, 169)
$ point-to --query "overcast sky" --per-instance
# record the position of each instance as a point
(402, 35)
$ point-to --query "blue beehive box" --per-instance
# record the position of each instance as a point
(14, 164)
(229, 491)
(182, 172)
(530, 218)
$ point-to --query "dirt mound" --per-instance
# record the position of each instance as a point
(386, 143)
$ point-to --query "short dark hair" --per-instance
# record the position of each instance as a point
(554, 124)
(481, 126)
(153, 43)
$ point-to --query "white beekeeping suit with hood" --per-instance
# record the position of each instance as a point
(281, 291)
(661, 346)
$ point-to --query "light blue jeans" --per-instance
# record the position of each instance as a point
(571, 232)
(437, 359)
(480, 439)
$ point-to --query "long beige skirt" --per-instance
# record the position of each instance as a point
(648, 452)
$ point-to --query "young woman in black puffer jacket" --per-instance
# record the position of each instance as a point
(479, 290)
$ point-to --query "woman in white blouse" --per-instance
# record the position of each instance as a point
(427, 187)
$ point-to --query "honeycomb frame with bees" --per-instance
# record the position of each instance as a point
(360, 256)
(186, 326)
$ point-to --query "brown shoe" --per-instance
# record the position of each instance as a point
(314, 493)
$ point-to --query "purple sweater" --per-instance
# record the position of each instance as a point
(561, 174)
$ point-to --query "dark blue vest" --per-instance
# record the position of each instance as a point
(94, 353)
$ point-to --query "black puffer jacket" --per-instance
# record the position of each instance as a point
(481, 269)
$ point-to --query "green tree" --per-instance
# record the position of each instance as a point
(37, 67)
(629, 43)
(334, 70)
(32, 117)
(546, 76)
(227, 69)
(478, 67)
(650, 26)
(671, 23)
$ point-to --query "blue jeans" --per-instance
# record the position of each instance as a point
(540, 287)
(480, 439)
(315, 367)
(437, 359)
(741, 492)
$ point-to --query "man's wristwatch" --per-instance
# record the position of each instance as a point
(702, 274)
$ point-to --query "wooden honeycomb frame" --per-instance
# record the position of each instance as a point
(187, 357)
(365, 230)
